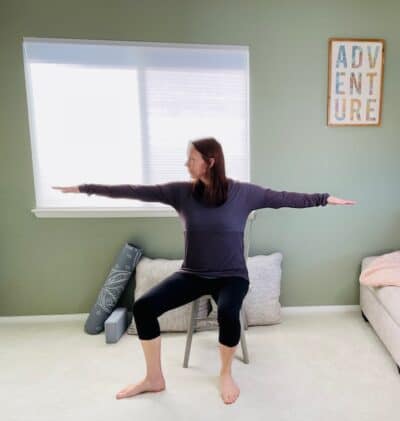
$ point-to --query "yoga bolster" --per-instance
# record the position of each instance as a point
(114, 285)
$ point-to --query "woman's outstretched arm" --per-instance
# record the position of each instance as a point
(259, 197)
(168, 193)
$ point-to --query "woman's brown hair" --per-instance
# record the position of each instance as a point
(216, 193)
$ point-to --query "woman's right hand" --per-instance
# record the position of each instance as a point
(70, 189)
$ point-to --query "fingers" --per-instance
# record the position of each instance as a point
(342, 202)
(66, 189)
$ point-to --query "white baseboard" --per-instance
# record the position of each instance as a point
(45, 318)
(83, 316)
(320, 309)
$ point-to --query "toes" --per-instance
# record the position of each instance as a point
(227, 398)
(231, 398)
(122, 393)
(125, 389)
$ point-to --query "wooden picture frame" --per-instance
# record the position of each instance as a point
(355, 81)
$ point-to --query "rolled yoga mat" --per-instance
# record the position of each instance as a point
(114, 285)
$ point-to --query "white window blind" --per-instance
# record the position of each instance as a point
(109, 112)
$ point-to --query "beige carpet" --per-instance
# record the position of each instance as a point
(327, 365)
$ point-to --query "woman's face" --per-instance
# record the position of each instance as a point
(195, 163)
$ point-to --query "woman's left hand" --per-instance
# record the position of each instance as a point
(332, 200)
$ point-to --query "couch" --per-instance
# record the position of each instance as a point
(380, 306)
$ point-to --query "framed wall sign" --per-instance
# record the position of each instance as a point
(355, 81)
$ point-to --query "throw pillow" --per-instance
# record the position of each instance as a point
(261, 304)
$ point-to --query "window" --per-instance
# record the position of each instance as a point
(108, 112)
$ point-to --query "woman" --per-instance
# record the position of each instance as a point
(214, 211)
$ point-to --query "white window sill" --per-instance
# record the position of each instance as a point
(141, 212)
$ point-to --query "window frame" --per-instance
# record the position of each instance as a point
(116, 212)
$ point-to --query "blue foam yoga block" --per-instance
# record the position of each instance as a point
(116, 325)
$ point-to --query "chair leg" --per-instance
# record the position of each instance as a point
(245, 324)
(243, 342)
(192, 322)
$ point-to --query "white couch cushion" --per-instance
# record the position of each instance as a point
(388, 296)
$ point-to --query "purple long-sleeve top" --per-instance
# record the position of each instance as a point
(214, 236)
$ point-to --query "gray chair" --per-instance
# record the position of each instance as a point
(195, 305)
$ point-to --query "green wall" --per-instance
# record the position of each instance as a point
(56, 266)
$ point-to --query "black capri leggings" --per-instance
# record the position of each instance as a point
(181, 288)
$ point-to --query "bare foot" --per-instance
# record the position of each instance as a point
(229, 389)
(145, 385)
